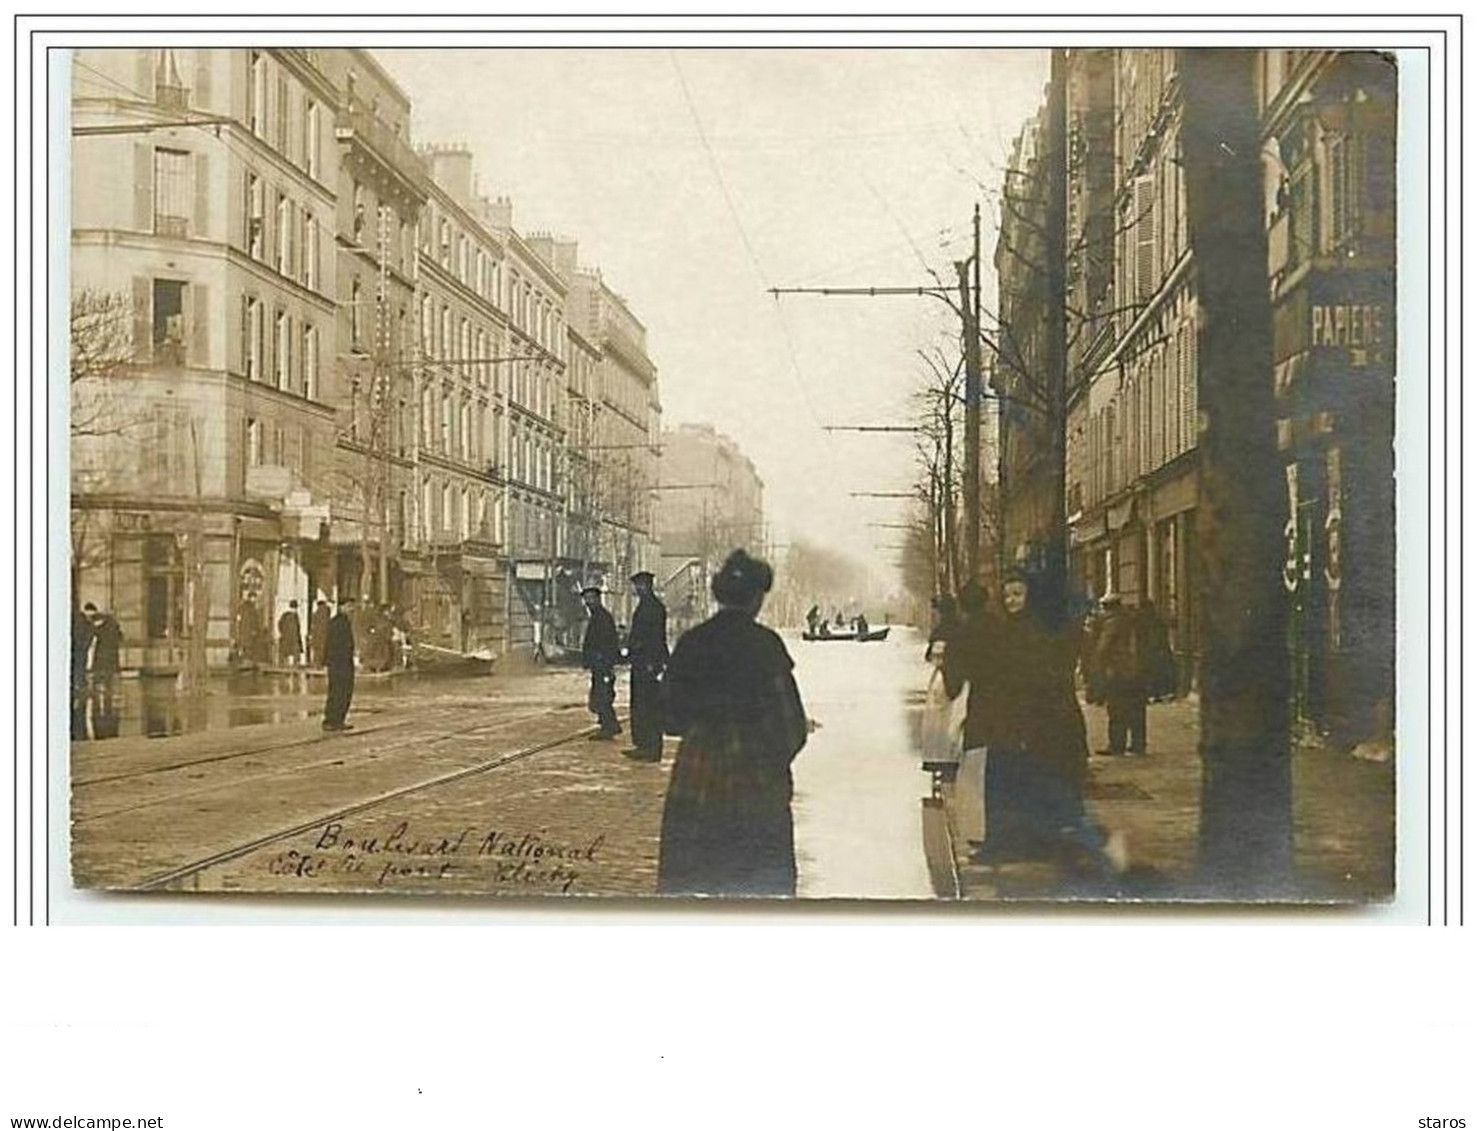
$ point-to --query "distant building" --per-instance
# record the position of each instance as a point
(1018, 369)
(453, 512)
(712, 502)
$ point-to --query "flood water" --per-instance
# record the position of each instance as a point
(158, 708)
(858, 785)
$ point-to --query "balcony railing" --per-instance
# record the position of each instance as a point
(360, 124)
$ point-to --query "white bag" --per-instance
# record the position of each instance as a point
(943, 722)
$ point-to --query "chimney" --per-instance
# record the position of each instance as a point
(451, 168)
(498, 213)
(567, 257)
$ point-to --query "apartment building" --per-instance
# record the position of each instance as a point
(711, 503)
(201, 446)
(1329, 164)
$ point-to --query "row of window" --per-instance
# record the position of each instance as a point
(278, 349)
(460, 255)
(286, 237)
(283, 115)
(270, 443)
(1150, 422)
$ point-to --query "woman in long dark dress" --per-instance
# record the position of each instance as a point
(1023, 709)
(727, 827)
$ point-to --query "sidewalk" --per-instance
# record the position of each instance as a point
(1343, 818)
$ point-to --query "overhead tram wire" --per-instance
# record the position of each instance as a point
(744, 238)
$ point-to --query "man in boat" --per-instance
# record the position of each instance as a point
(646, 648)
(812, 618)
(602, 647)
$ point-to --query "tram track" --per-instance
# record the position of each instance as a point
(224, 856)
(309, 740)
(176, 797)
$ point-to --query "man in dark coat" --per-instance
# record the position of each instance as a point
(602, 648)
(1120, 675)
(318, 632)
(338, 658)
(646, 648)
(290, 637)
(107, 646)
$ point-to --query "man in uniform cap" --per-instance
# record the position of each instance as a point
(602, 649)
(646, 647)
(338, 658)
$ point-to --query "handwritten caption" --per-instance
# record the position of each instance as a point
(521, 860)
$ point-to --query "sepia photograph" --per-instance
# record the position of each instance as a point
(938, 474)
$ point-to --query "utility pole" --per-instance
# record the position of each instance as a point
(384, 409)
(967, 308)
(196, 669)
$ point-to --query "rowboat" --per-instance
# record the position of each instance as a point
(865, 638)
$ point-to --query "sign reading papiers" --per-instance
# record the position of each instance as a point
(1357, 327)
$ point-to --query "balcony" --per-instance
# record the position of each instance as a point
(357, 124)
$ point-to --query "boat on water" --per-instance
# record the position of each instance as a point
(865, 638)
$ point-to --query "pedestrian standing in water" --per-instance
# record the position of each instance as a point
(1023, 710)
(290, 637)
(646, 649)
(338, 658)
(602, 648)
(727, 828)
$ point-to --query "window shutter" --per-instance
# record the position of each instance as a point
(143, 318)
(1144, 217)
(1172, 441)
(1189, 392)
(202, 196)
(197, 302)
(143, 187)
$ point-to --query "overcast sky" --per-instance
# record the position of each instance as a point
(696, 179)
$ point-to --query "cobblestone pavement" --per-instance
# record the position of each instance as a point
(574, 818)
(1343, 818)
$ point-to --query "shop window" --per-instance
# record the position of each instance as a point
(164, 606)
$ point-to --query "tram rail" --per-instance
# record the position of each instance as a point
(175, 875)
(277, 771)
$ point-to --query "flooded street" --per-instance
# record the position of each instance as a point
(857, 782)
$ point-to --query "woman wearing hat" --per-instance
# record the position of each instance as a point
(1023, 710)
(727, 827)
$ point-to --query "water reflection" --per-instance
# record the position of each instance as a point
(159, 707)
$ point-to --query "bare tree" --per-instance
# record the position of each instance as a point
(100, 354)
(1246, 800)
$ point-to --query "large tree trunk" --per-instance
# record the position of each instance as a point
(1246, 803)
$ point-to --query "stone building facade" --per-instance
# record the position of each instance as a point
(336, 369)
